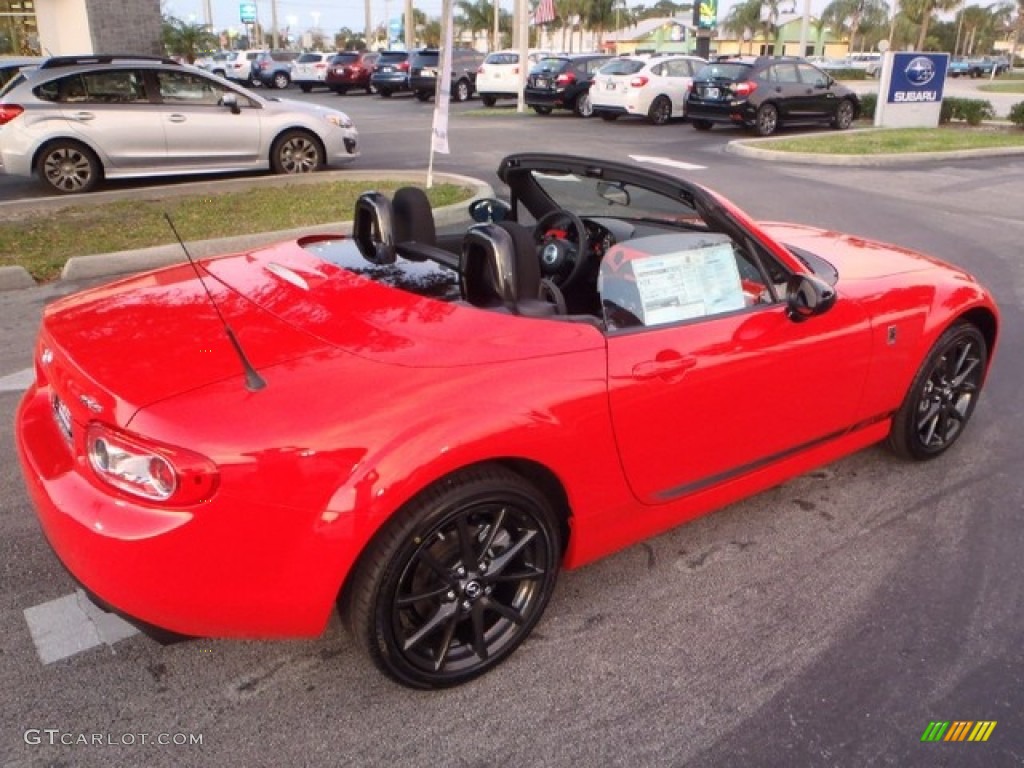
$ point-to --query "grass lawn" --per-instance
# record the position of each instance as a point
(1016, 86)
(43, 243)
(899, 140)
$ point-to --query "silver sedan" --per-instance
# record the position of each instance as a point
(76, 120)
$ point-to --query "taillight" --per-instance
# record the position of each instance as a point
(638, 82)
(480, 69)
(566, 78)
(321, 65)
(404, 66)
(147, 469)
(745, 88)
(8, 112)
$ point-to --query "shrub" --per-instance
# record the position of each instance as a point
(1017, 114)
(973, 111)
(868, 102)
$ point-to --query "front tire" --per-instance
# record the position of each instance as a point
(942, 396)
(67, 167)
(462, 91)
(702, 125)
(843, 118)
(767, 120)
(456, 580)
(296, 152)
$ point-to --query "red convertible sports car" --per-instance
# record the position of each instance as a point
(422, 429)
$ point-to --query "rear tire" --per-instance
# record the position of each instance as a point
(660, 112)
(281, 80)
(462, 91)
(456, 580)
(542, 110)
(385, 93)
(702, 125)
(611, 117)
(305, 87)
(489, 101)
(942, 397)
(67, 167)
(423, 95)
(341, 90)
(767, 120)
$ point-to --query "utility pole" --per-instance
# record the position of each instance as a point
(369, 24)
(410, 27)
(496, 40)
(273, 24)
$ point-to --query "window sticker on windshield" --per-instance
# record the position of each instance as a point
(688, 284)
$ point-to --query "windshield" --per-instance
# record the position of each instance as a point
(594, 197)
(424, 59)
(344, 58)
(550, 65)
(306, 58)
(502, 58)
(393, 58)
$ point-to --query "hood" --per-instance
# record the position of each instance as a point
(126, 345)
(855, 258)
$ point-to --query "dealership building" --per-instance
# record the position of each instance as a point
(66, 27)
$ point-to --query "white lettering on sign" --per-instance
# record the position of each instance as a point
(905, 96)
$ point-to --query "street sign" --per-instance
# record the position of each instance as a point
(247, 12)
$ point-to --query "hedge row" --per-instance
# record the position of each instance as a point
(972, 111)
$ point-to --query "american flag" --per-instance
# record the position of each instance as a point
(545, 12)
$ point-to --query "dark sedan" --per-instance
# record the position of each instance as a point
(563, 82)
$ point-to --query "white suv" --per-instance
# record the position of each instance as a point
(498, 77)
(239, 66)
(654, 87)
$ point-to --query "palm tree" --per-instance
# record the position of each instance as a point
(921, 12)
(851, 16)
(475, 16)
(746, 17)
(186, 40)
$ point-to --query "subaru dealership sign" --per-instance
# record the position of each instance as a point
(912, 84)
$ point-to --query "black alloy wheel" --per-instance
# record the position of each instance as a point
(767, 120)
(660, 111)
(457, 580)
(943, 395)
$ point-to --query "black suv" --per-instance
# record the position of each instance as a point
(274, 68)
(425, 64)
(563, 82)
(391, 73)
(766, 93)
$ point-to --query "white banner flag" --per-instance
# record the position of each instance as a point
(439, 137)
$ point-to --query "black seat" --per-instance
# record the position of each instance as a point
(499, 269)
(415, 232)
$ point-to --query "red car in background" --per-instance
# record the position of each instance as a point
(424, 430)
(351, 69)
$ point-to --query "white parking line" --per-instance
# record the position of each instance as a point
(16, 382)
(72, 624)
(668, 161)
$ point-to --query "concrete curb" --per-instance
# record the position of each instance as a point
(136, 260)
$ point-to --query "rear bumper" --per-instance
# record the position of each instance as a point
(539, 98)
(732, 113)
(228, 568)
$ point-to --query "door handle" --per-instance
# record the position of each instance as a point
(83, 116)
(664, 366)
(177, 118)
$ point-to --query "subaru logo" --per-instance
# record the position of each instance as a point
(550, 254)
(920, 71)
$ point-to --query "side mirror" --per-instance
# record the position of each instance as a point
(614, 192)
(489, 210)
(807, 296)
(230, 100)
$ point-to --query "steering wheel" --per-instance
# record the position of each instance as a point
(561, 259)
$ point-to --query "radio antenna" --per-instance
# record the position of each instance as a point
(253, 381)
